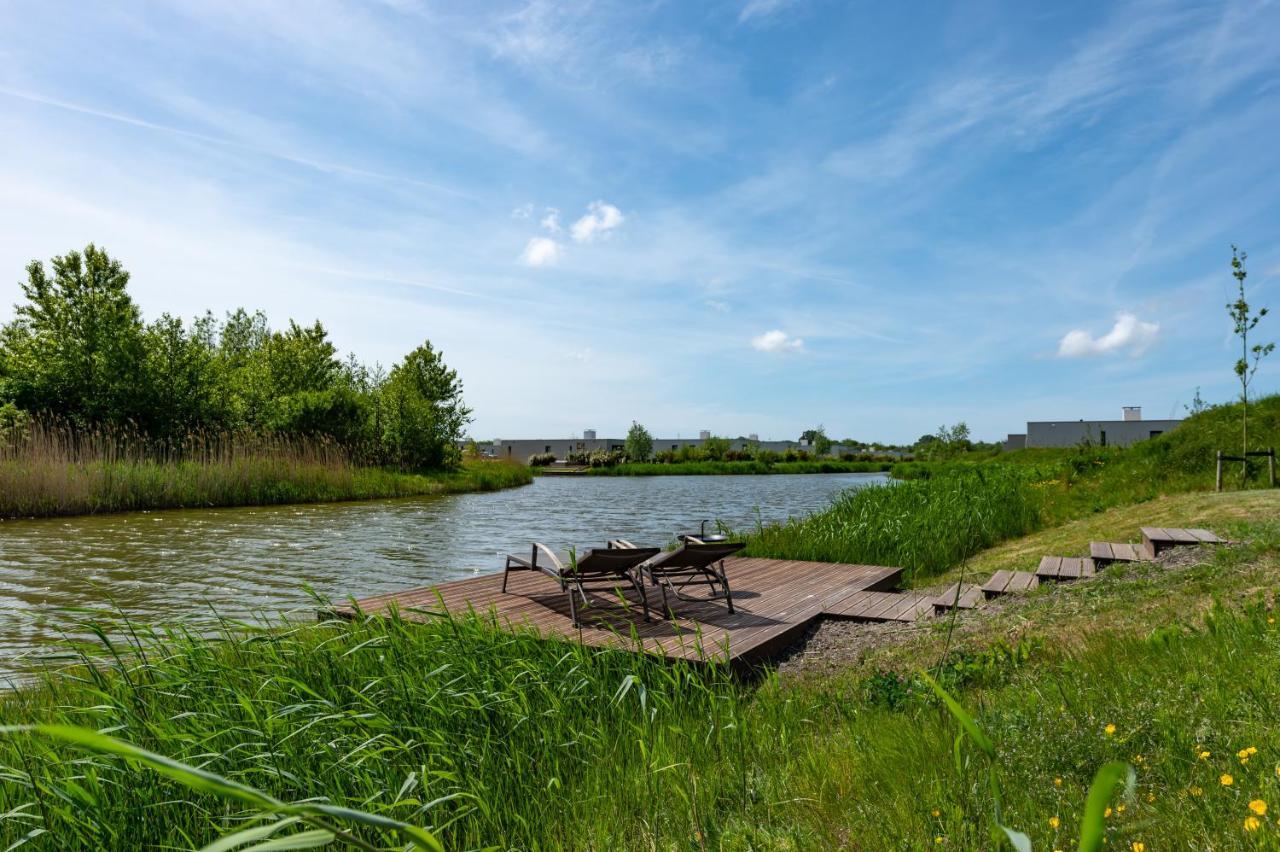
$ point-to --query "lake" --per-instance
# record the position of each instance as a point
(184, 564)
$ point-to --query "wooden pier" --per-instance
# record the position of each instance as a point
(776, 600)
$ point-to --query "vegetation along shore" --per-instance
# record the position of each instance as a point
(101, 411)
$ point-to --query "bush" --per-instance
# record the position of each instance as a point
(541, 459)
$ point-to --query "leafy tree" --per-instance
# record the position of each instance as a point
(639, 443)
(715, 448)
(1197, 404)
(422, 416)
(181, 373)
(76, 347)
(820, 442)
(1250, 358)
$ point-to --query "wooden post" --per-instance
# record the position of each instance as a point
(1271, 466)
(1218, 478)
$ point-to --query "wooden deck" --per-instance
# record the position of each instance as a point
(775, 601)
(1156, 540)
(1063, 568)
(1112, 551)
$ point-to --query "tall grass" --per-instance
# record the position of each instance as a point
(923, 525)
(720, 468)
(56, 469)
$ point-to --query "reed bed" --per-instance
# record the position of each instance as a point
(56, 469)
(923, 525)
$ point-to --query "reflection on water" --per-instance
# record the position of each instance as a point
(158, 566)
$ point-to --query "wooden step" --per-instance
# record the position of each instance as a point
(1159, 539)
(1061, 568)
(880, 606)
(1115, 551)
(958, 595)
(1010, 582)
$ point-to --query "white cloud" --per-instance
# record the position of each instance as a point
(759, 9)
(524, 211)
(551, 221)
(600, 219)
(1128, 333)
(776, 341)
(541, 251)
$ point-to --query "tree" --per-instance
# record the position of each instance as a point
(715, 448)
(1250, 358)
(75, 348)
(639, 445)
(422, 416)
(1197, 405)
(821, 443)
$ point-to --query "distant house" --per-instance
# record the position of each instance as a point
(1103, 433)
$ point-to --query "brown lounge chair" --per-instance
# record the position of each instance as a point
(596, 567)
(694, 563)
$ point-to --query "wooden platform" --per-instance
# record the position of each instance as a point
(1010, 582)
(1112, 551)
(1065, 568)
(1159, 539)
(776, 600)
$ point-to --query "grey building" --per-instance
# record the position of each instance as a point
(1103, 433)
(520, 449)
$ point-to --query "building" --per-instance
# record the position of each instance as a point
(520, 449)
(1130, 429)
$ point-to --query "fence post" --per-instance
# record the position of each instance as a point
(1218, 477)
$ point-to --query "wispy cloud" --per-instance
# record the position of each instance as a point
(758, 10)
(1128, 334)
(776, 341)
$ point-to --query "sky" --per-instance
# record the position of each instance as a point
(746, 216)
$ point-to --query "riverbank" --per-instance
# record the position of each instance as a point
(1161, 669)
(36, 489)
(734, 468)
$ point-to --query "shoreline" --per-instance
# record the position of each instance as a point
(100, 488)
(724, 468)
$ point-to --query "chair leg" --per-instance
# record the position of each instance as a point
(573, 607)
(724, 581)
(666, 610)
(644, 599)
(505, 572)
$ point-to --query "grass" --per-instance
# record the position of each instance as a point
(731, 468)
(55, 471)
(487, 738)
(923, 525)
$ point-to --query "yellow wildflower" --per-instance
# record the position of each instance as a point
(1251, 750)
(1054, 822)
(1057, 782)
(1251, 823)
(1204, 755)
(1109, 730)
(1226, 780)
(1194, 790)
(938, 840)
(1151, 797)
(1107, 812)
(1139, 846)
(1137, 758)
(1259, 807)
(1119, 809)
(937, 812)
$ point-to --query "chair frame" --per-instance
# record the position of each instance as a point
(573, 578)
(677, 578)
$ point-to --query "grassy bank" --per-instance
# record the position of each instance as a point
(489, 738)
(730, 468)
(55, 469)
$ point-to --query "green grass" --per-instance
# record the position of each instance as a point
(43, 488)
(489, 738)
(723, 468)
(924, 525)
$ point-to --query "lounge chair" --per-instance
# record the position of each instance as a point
(694, 563)
(597, 567)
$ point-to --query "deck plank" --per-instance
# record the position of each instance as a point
(959, 596)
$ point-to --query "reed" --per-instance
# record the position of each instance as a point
(922, 525)
(57, 469)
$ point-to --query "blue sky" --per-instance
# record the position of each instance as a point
(749, 216)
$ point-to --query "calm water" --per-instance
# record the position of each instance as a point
(159, 566)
